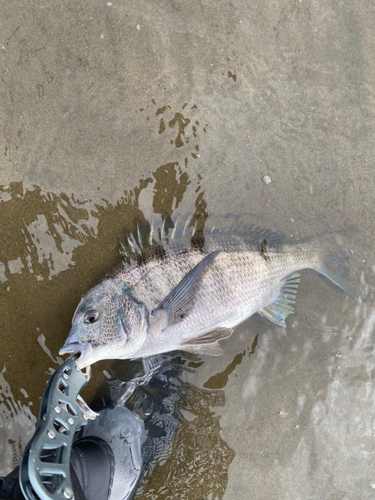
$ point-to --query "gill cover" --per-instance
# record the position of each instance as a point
(108, 321)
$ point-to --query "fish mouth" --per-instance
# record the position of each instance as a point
(84, 351)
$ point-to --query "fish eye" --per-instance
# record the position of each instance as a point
(91, 316)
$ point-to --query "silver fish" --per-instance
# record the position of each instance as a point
(189, 292)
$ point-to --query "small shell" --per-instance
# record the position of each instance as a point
(267, 179)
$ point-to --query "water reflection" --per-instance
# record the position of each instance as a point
(39, 231)
(184, 455)
(219, 381)
(55, 247)
(302, 410)
(345, 416)
(180, 131)
(305, 396)
(17, 424)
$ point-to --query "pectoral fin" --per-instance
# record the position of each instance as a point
(283, 306)
(207, 343)
(180, 301)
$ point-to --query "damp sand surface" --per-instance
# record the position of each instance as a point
(113, 113)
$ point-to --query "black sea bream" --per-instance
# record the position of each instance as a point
(179, 292)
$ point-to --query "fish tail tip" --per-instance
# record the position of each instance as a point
(335, 266)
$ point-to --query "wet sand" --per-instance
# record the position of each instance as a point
(111, 112)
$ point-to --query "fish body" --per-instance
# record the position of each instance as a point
(189, 296)
(237, 283)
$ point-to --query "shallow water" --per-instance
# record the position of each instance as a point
(294, 405)
(113, 113)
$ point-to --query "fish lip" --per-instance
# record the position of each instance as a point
(70, 348)
(83, 350)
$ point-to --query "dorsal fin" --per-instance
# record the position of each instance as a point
(178, 234)
(245, 225)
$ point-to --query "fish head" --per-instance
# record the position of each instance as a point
(109, 323)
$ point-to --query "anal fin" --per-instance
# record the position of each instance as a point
(278, 311)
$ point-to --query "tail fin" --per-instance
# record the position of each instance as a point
(334, 262)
